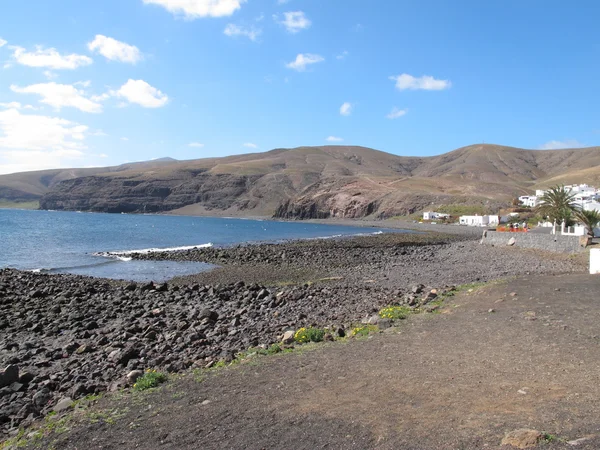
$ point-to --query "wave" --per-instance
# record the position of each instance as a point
(336, 236)
(122, 254)
(67, 268)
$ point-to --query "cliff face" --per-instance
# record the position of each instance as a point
(116, 195)
(312, 182)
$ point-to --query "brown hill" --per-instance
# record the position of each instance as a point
(308, 182)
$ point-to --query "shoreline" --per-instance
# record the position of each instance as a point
(71, 336)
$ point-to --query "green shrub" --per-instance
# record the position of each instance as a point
(304, 335)
(364, 330)
(395, 312)
(150, 379)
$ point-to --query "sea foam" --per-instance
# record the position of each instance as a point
(122, 254)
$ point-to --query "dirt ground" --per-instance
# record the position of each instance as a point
(523, 353)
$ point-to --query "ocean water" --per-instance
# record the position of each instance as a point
(71, 242)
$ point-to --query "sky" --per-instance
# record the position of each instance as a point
(99, 83)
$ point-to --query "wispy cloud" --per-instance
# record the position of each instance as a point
(61, 96)
(3, 42)
(49, 58)
(251, 33)
(294, 21)
(195, 145)
(194, 9)
(396, 113)
(334, 139)
(250, 145)
(33, 142)
(426, 83)
(115, 50)
(342, 55)
(16, 105)
(556, 145)
(346, 109)
(303, 60)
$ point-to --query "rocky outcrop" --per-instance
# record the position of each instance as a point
(141, 195)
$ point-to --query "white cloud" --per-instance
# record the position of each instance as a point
(61, 95)
(34, 142)
(282, 2)
(3, 42)
(342, 55)
(396, 113)
(193, 9)
(334, 139)
(251, 33)
(126, 139)
(103, 155)
(346, 109)
(250, 145)
(294, 21)
(141, 93)
(50, 75)
(115, 50)
(16, 105)
(304, 59)
(557, 145)
(50, 58)
(195, 145)
(426, 83)
(98, 133)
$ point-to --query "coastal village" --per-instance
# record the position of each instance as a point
(523, 218)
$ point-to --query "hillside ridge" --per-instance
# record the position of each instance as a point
(308, 182)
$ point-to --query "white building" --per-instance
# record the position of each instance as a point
(479, 221)
(592, 206)
(431, 215)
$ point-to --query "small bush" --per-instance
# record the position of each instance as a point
(150, 379)
(304, 335)
(364, 330)
(395, 312)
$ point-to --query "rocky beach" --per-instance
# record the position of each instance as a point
(64, 337)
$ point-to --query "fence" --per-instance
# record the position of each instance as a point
(549, 242)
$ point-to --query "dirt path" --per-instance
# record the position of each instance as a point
(456, 380)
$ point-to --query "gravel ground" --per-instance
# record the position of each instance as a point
(68, 336)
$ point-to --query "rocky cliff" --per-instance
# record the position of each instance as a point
(313, 182)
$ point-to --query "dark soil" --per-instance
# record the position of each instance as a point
(519, 354)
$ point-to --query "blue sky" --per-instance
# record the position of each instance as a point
(88, 83)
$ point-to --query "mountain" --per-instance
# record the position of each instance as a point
(310, 182)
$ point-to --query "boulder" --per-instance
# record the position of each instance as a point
(63, 405)
(288, 337)
(523, 438)
(9, 375)
(133, 376)
(209, 314)
(41, 397)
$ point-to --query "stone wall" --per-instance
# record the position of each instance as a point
(549, 242)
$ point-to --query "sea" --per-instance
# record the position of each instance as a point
(98, 245)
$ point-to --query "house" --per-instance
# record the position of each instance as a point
(479, 221)
(431, 215)
(592, 206)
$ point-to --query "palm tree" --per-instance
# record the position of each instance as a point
(557, 204)
(589, 218)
